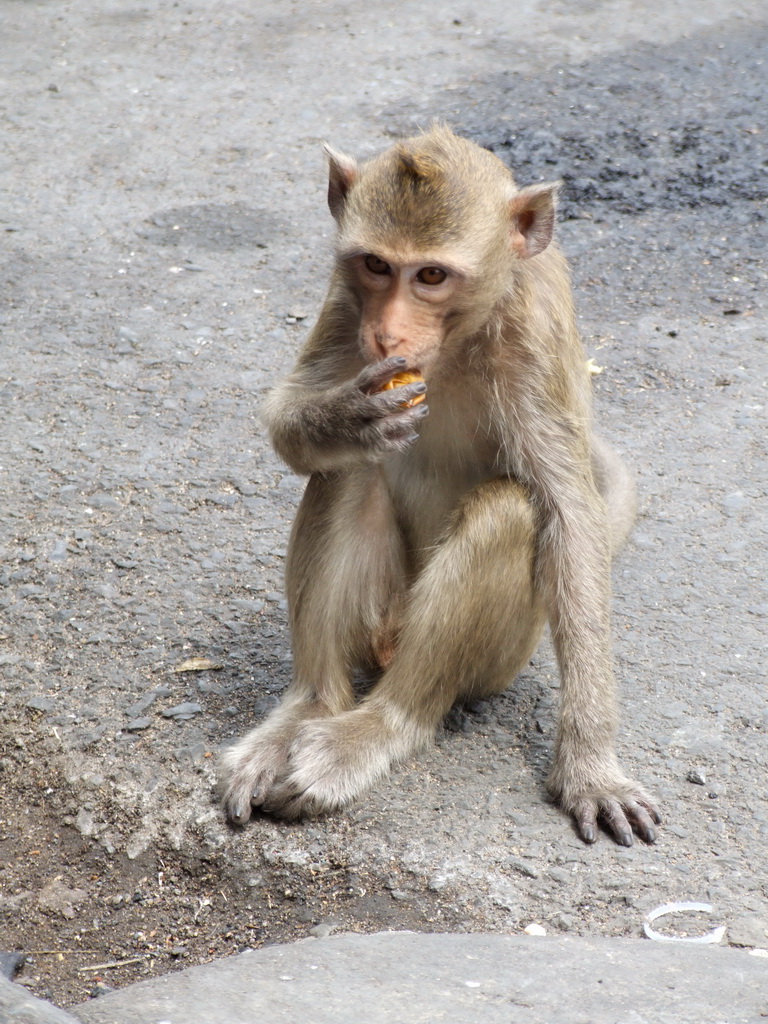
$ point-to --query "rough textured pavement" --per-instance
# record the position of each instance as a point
(163, 250)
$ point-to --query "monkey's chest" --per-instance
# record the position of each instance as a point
(454, 453)
(425, 494)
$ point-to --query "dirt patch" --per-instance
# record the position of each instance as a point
(88, 920)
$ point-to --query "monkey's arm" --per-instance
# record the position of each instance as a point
(574, 570)
(329, 414)
(586, 777)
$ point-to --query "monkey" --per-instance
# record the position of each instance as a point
(446, 520)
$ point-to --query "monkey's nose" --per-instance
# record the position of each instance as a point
(391, 345)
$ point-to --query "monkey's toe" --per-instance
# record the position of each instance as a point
(238, 811)
(246, 794)
(296, 797)
(249, 770)
(623, 814)
(289, 801)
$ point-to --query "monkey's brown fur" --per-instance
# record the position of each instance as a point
(438, 547)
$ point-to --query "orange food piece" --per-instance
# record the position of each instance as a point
(400, 380)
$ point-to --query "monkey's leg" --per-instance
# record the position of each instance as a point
(344, 568)
(472, 620)
(617, 489)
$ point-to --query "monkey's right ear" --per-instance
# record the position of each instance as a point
(532, 215)
(342, 174)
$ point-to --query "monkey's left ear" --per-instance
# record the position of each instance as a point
(532, 217)
(342, 174)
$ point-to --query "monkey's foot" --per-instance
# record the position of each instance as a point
(335, 760)
(621, 808)
(250, 767)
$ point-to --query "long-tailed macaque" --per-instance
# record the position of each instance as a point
(435, 548)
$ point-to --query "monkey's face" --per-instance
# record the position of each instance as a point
(428, 234)
(406, 305)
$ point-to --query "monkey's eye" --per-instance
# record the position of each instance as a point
(431, 275)
(375, 265)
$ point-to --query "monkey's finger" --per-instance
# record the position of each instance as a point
(373, 378)
(652, 809)
(399, 397)
(585, 813)
(397, 419)
(289, 801)
(643, 817)
(615, 820)
(396, 431)
(643, 825)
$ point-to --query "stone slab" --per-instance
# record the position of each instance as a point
(17, 1006)
(407, 978)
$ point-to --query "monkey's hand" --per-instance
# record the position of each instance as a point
(617, 803)
(353, 422)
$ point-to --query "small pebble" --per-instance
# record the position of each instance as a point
(523, 868)
(100, 988)
(186, 709)
(103, 500)
(560, 875)
(749, 930)
(59, 552)
(564, 922)
(322, 930)
(246, 605)
(138, 724)
(10, 963)
(534, 929)
(40, 704)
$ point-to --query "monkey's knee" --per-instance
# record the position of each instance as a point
(512, 609)
(476, 607)
(497, 522)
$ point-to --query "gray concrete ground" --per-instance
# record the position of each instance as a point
(164, 250)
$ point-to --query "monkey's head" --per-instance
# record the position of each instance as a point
(429, 234)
